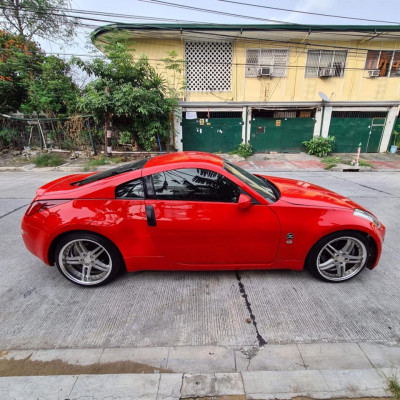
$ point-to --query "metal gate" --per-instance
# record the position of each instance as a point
(212, 134)
(280, 134)
(352, 128)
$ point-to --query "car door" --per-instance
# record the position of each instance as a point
(194, 219)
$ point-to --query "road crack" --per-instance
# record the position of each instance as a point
(261, 341)
(16, 209)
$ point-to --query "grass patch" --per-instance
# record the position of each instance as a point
(48, 160)
(333, 161)
(394, 387)
(93, 163)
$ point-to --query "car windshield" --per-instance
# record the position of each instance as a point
(112, 172)
(261, 185)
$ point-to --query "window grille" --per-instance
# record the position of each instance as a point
(325, 63)
(208, 66)
(275, 59)
(387, 62)
(257, 113)
(285, 114)
(359, 114)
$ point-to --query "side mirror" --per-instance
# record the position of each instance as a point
(244, 201)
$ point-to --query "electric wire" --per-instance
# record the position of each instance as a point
(309, 12)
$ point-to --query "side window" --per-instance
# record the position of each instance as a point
(130, 190)
(195, 185)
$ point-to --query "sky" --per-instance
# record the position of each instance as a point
(388, 10)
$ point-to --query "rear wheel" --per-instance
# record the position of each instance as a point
(87, 259)
(340, 256)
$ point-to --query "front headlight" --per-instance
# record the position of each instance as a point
(366, 215)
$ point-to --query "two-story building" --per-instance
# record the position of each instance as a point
(274, 86)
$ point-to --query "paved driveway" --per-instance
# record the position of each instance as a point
(40, 309)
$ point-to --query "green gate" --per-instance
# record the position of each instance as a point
(212, 135)
(396, 128)
(349, 132)
(280, 134)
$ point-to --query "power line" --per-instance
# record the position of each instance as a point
(166, 3)
(308, 12)
(207, 35)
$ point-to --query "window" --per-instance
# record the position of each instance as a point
(133, 166)
(261, 185)
(195, 185)
(130, 190)
(274, 60)
(387, 62)
(325, 63)
(208, 66)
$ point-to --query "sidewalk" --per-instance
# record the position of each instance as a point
(381, 162)
(317, 370)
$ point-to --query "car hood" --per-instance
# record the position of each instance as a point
(307, 194)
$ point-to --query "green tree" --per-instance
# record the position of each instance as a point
(41, 18)
(131, 88)
(52, 90)
(20, 62)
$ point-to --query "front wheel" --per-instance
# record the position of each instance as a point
(339, 257)
(87, 259)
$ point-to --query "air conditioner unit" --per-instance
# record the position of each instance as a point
(325, 72)
(373, 73)
(264, 71)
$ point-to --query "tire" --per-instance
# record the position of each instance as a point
(87, 259)
(340, 256)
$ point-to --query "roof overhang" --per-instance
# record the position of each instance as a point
(273, 32)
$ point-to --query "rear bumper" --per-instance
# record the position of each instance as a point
(36, 240)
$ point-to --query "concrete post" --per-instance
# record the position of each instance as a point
(387, 130)
(178, 129)
(327, 121)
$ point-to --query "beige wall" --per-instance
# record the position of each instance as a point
(355, 85)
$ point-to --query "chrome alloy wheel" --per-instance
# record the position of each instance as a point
(85, 262)
(341, 258)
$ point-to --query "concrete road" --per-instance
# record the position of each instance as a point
(39, 309)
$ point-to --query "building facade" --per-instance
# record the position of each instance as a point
(274, 86)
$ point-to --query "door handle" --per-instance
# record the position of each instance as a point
(151, 216)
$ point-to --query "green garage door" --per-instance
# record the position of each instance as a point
(212, 134)
(396, 128)
(352, 128)
(280, 134)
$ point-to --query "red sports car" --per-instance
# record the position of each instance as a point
(195, 211)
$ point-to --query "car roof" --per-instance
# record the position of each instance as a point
(184, 156)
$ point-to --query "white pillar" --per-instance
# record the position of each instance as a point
(249, 117)
(327, 121)
(244, 126)
(178, 129)
(387, 130)
(317, 125)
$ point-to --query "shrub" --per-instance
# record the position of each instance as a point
(244, 150)
(48, 160)
(125, 137)
(319, 146)
(7, 136)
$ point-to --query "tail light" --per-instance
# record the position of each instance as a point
(42, 205)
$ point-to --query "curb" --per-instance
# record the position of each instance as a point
(317, 370)
(317, 384)
(252, 168)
